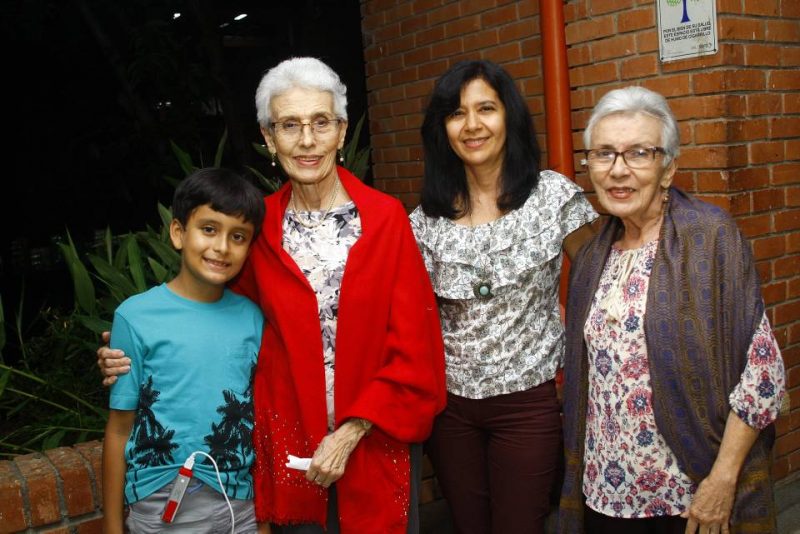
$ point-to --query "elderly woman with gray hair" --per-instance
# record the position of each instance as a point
(673, 377)
(351, 370)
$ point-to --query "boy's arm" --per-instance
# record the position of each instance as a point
(118, 429)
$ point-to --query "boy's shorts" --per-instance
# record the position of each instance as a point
(202, 510)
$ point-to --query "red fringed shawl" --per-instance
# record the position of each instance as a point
(389, 367)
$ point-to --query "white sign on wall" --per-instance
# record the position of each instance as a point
(686, 28)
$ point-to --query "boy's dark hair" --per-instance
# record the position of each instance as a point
(445, 181)
(222, 189)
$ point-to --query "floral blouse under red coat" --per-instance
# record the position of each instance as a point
(629, 470)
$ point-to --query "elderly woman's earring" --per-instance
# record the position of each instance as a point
(666, 195)
(341, 156)
(272, 157)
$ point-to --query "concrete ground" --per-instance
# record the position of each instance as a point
(435, 518)
(787, 501)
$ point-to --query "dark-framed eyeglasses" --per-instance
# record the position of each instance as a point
(292, 128)
(634, 158)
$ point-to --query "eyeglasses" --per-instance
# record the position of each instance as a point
(634, 158)
(293, 128)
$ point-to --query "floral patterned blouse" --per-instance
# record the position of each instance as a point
(514, 339)
(629, 470)
(321, 253)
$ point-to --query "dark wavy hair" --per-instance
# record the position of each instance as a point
(445, 182)
(224, 190)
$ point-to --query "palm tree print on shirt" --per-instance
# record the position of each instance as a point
(231, 441)
(152, 443)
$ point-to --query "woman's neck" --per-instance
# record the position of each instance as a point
(484, 189)
(639, 232)
(319, 195)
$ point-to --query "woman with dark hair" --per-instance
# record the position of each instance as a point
(491, 228)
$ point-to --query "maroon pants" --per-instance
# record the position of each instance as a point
(497, 460)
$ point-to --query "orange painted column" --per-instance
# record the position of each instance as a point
(556, 99)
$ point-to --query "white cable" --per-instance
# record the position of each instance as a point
(221, 488)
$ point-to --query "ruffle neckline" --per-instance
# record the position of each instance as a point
(515, 243)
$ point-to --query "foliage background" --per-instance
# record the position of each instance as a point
(98, 96)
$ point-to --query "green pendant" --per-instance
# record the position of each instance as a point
(482, 290)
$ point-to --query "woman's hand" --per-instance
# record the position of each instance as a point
(330, 458)
(112, 362)
(711, 506)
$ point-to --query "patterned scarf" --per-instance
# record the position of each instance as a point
(703, 306)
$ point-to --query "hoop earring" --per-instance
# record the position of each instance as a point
(341, 156)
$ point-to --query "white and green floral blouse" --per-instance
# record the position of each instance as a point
(321, 253)
(513, 340)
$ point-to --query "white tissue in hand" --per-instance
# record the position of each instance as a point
(298, 463)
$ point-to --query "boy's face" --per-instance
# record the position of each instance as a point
(213, 247)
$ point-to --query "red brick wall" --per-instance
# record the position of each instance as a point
(58, 491)
(739, 112)
(407, 45)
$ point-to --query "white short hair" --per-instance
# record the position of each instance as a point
(635, 99)
(305, 72)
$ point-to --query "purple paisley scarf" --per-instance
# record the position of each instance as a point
(703, 306)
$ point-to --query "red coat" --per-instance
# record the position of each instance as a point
(389, 367)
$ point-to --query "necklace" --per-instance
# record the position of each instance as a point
(482, 287)
(614, 301)
(309, 224)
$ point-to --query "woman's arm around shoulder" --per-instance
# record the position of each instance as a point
(575, 240)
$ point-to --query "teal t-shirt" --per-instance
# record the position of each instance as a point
(190, 385)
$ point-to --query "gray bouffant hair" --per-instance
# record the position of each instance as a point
(634, 99)
(305, 72)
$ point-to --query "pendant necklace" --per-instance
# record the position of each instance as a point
(309, 223)
(482, 287)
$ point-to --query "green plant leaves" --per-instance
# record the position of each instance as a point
(53, 440)
(82, 283)
(5, 374)
(2, 329)
(261, 149)
(166, 214)
(355, 160)
(162, 275)
(220, 148)
(95, 324)
(135, 262)
(270, 185)
(184, 159)
(169, 258)
(112, 277)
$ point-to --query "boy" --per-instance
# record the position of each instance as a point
(193, 346)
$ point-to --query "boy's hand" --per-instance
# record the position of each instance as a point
(264, 528)
(112, 362)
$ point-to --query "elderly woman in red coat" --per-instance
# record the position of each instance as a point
(351, 368)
